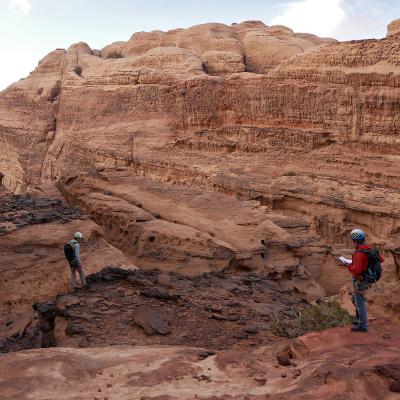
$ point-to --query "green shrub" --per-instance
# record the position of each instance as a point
(295, 321)
(289, 173)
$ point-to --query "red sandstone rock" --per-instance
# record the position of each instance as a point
(354, 366)
(394, 28)
(304, 126)
(151, 322)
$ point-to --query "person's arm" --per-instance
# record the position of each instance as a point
(359, 264)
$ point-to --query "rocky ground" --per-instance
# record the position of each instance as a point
(335, 364)
(152, 335)
(140, 307)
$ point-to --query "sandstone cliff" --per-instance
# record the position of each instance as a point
(307, 127)
(226, 150)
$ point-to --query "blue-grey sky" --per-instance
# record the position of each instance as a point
(29, 29)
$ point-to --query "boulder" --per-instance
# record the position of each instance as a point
(151, 322)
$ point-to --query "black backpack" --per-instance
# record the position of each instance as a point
(374, 270)
(69, 251)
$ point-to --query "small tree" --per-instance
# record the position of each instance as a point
(78, 70)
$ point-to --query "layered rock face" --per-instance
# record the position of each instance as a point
(306, 127)
(131, 85)
(241, 150)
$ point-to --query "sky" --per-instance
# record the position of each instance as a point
(30, 29)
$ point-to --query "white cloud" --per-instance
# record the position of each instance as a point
(314, 16)
(334, 18)
(21, 6)
(23, 60)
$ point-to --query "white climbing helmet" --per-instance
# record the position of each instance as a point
(358, 234)
(78, 236)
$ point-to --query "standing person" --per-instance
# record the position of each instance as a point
(72, 251)
(364, 266)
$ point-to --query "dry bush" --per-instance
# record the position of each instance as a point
(55, 91)
(293, 322)
(289, 173)
(114, 54)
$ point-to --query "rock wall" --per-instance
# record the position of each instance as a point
(142, 80)
(82, 109)
(305, 126)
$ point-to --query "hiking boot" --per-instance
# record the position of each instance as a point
(355, 323)
(358, 328)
